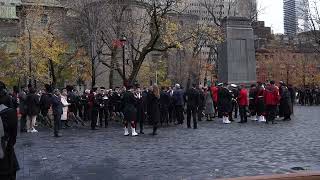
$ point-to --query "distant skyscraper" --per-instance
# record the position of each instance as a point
(295, 16)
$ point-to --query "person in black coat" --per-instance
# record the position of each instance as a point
(56, 111)
(45, 102)
(33, 109)
(129, 111)
(285, 101)
(192, 98)
(93, 108)
(252, 102)
(178, 98)
(164, 106)
(154, 108)
(225, 103)
(8, 161)
(141, 100)
(171, 109)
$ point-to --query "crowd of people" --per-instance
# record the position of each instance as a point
(133, 106)
(157, 106)
(309, 95)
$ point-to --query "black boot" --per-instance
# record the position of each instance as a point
(154, 132)
(66, 124)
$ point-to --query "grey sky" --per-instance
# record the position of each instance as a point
(271, 11)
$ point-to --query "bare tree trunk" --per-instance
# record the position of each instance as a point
(136, 68)
(53, 75)
(112, 67)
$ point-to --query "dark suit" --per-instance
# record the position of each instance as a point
(57, 112)
(32, 103)
(9, 164)
(178, 103)
(164, 107)
(192, 98)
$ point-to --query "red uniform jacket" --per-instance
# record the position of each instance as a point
(271, 95)
(243, 98)
(214, 92)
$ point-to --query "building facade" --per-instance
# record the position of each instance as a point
(296, 16)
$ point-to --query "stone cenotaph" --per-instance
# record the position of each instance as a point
(236, 55)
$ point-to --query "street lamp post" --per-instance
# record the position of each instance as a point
(123, 41)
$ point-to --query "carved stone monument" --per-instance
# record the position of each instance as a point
(236, 57)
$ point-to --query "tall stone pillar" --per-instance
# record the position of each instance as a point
(236, 57)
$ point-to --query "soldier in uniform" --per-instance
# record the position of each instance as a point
(225, 103)
(129, 111)
(252, 101)
(271, 98)
(260, 105)
(243, 103)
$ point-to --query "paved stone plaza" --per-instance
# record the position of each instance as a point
(212, 151)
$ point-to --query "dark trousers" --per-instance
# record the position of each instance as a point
(44, 112)
(8, 177)
(235, 108)
(164, 115)
(243, 113)
(106, 116)
(191, 110)
(179, 113)
(101, 116)
(86, 113)
(271, 111)
(171, 114)
(215, 106)
(199, 112)
(57, 123)
(140, 117)
(80, 113)
(94, 117)
(23, 121)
